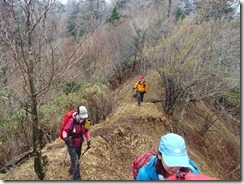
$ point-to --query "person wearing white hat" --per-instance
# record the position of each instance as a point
(73, 132)
(171, 157)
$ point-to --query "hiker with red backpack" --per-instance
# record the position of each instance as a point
(72, 133)
(141, 88)
(170, 158)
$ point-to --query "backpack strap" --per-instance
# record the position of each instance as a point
(151, 172)
(73, 124)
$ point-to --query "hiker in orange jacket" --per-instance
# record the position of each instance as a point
(73, 133)
(141, 88)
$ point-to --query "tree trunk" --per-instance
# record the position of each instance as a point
(15, 160)
(34, 113)
(5, 85)
(170, 98)
(35, 128)
(169, 8)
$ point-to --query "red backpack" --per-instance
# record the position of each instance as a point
(66, 118)
(140, 161)
(189, 176)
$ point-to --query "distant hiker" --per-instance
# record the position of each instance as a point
(170, 158)
(141, 88)
(76, 127)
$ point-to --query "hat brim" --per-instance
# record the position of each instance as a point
(176, 161)
(83, 115)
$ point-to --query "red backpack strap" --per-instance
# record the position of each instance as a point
(140, 161)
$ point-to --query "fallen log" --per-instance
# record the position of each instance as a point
(15, 161)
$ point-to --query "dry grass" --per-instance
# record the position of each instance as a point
(132, 130)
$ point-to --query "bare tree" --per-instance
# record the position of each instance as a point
(207, 10)
(209, 120)
(120, 50)
(32, 43)
(169, 8)
(140, 15)
(187, 60)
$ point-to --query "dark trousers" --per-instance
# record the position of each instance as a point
(140, 96)
(74, 153)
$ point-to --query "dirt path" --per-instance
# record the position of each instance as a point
(128, 132)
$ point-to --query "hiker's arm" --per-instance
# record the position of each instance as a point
(146, 87)
(87, 135)
(135, 87)
(65, 134)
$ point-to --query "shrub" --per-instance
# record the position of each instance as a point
(71, 87)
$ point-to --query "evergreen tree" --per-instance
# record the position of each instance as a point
(115, 16)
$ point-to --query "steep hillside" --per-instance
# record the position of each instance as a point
(130, 131)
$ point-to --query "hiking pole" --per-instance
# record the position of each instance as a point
(64, 162)
(66, 153)
(85, 151)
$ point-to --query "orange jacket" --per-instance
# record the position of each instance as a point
(141, 86)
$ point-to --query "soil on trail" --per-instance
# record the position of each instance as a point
(128, 132)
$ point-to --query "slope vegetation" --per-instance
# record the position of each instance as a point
(130, 131)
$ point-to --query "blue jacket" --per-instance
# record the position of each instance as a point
(148, 171)
(195, 169)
